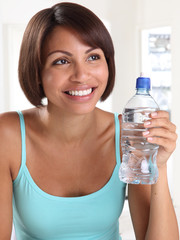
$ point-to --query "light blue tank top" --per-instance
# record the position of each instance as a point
(38, 215)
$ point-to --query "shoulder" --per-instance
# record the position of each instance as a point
(107, 116)
(120, 117)
(9, 124)
(10, 139)
(104, 117)
(10, 135)
(107, 122)
(110, 117)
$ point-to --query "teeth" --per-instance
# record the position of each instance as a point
(80, 93)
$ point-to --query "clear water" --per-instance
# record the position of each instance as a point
(139, 157)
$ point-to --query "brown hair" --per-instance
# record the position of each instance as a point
(83, 21)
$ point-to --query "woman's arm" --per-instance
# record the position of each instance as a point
(151, 207)
(5, 199)
(5, 177)
(162, 219)
(152, 210)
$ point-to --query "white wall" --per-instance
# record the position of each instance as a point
(122, 15)
(14, 15)
(158, 13)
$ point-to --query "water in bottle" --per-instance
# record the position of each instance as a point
(138, 156)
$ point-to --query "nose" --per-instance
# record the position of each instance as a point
(80, 73)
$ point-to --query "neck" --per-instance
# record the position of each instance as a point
(69, 128)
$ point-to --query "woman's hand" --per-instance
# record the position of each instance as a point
(162, 132)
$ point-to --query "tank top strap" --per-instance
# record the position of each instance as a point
(23, 138)
(117, 139)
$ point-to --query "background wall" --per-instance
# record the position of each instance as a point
(158, 13)
(155, 14)
(125, 19)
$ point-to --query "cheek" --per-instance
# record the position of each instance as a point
(106, 73)
(49, 84)
(103, 74)
(48, 80)
(46, 76)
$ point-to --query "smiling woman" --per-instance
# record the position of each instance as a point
(69, 163)
(42, 24)
(59, 162)
(75, 75)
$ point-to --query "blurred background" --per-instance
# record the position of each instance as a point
(146, 36)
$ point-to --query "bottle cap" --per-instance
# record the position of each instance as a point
(143, 82)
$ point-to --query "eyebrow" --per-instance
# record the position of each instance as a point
(68, 53)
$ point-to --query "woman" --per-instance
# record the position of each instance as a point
(59, 162)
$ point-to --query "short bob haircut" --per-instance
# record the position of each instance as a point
(91, 30)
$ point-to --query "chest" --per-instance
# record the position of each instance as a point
(71, 171)
(46, 216)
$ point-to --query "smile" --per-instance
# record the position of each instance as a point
(80, 93)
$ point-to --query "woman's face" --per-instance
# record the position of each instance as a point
(75, 74)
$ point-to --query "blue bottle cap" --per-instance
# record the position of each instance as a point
(143, 82)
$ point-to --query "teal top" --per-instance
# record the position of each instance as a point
(38, 215)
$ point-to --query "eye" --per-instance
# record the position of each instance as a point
(93, 57)
(60, 62)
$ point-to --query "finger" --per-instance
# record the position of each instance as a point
(168, 145)
(160, 132)
(160, 122)
(160, 114)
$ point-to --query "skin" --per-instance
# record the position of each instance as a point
(60, 140)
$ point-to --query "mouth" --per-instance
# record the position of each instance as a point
(80, 92)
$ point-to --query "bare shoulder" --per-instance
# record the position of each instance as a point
(120, 117)
(106, 123)
(9, 127)
(9, 150)
(10, 135)
(10, 123)
(104, 115)
(108, 117)
(7, 122)
(9, 153)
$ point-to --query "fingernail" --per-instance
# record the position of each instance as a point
(147, 123)
(145, 133)
(150, 139)
(154, 114)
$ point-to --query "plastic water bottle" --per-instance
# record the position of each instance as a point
(138, 156)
